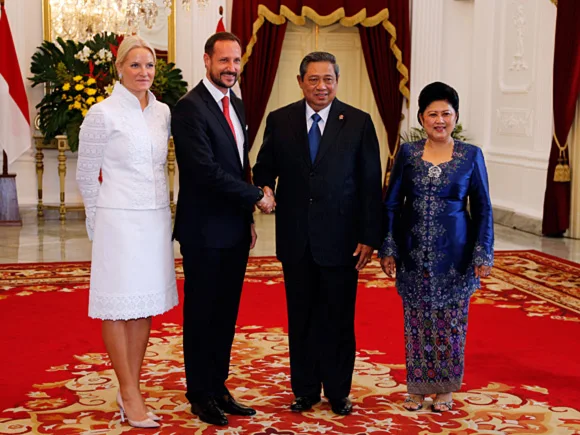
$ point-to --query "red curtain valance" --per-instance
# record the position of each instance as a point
(249, 16)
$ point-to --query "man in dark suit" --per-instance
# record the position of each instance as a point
(213, 225)
(325, 155)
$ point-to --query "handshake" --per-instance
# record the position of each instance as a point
(267, 203)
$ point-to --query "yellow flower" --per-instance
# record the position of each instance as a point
(70, 107)
(77, 105)
(79, 87)
(90, 91)
(64, 96)
(100, 98)
(66, 87)
(77, 78)
(90, 100)
(84, 112)
(91, 81)
(109, 89)
(78, 98)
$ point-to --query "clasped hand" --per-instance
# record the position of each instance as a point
(482, 271)
(267, 203)
(388, 266)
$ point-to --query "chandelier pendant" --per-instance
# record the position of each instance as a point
(80, 20)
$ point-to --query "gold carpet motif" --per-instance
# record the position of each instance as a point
(260, 377)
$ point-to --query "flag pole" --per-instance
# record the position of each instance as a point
(4, 158)
(4, 155)
(9, 212)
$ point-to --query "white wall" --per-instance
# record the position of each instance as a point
(517, 104)
(470, 44)
(498, 55)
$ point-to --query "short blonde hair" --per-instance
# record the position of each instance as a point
(128, 44)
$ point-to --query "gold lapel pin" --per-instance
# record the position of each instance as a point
(341, 116)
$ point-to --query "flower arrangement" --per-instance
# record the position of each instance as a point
(82, 94)
(79, 74)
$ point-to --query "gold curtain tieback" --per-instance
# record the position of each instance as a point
(562, 173)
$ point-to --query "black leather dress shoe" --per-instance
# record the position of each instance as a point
(229, 405)
(341, 406)
(304, 403)
(208, 410)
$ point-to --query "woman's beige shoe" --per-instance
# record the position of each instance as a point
(148, 423)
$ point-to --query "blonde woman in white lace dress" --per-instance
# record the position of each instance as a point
(128, 219)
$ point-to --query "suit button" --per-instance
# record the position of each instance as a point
(312, 174)
(311, 200)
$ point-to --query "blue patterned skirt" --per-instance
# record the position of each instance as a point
(435, 345)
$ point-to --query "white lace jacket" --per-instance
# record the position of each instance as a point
(129, 145)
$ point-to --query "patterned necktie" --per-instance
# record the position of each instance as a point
(314, 136)
(226, 110)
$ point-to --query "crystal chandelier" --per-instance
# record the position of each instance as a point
(81, 19)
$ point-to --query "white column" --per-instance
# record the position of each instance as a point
(482, 78)
(426, 48)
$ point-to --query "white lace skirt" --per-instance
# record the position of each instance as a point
(132, 268)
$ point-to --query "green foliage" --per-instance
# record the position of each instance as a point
(62, 65)
(168, 85)
(415, 134)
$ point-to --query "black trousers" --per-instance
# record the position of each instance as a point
(213, 287)
(321, 306)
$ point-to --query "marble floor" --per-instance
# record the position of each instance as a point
(50, 241)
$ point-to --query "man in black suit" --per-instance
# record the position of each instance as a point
(325, 155)
(213, 225)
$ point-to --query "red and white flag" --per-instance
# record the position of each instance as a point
(15, 136)
(220, 26)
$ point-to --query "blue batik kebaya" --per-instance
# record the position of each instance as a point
(439, 226)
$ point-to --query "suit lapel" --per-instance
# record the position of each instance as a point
(334, 124)
(237, 105)
(215, 109)
(297, 124)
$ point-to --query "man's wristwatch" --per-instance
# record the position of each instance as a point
(260, 194)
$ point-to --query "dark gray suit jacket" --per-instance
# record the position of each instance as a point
(333, 203)
(215, 202)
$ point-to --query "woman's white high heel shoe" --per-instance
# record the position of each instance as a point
(148, 423)
(150, 414)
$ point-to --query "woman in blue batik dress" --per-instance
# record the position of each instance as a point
(440, 241)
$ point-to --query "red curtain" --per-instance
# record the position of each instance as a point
(260, 70)
(566, 87)
(384, 76)
(258, 76)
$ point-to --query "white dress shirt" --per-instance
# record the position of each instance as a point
(129, 145)
(218, 96)
(323, 114)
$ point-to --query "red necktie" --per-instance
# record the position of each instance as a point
(226, 109)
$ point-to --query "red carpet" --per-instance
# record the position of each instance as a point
(522, 368)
